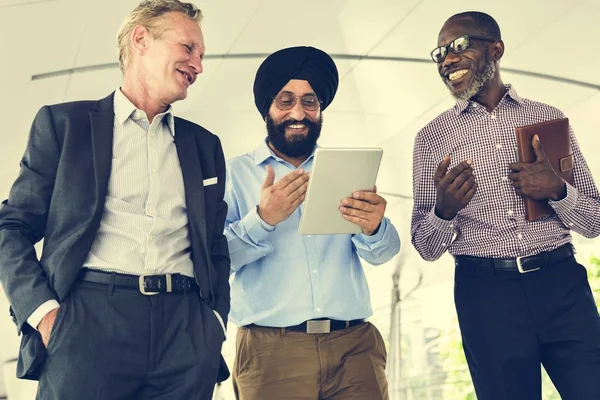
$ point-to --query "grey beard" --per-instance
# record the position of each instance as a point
(478, 82)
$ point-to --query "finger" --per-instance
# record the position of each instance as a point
(295, 183)
(370, 197)
(461, 179)
(538, 149)
(300, 191)
(354, 212)
(454, 172)
(442, 168)
(289, 178)
(516, 166)
(469, 195)
(297, 202)
(467, 185)
(513, 176)
(363, 223)
(270, 178)
(357, 204)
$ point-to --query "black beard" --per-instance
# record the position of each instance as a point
(297, 145)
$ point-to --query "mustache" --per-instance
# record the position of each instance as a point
(304, 121)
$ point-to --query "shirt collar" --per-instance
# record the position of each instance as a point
(124, 109)
(263, 152)
(511, 94)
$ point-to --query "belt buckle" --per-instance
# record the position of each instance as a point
(520, 266)
(145, 292)
(318, 326)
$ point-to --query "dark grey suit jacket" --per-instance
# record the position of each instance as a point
(59, 196)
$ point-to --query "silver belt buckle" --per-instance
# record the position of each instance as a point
(520, 266)
(318, 326)
(143, 290)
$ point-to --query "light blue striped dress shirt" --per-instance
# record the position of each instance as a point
(282, 278)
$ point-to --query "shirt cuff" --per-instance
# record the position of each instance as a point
(254, 228)
(568, 203)
(36, 317)
(222, 324)
(263, 224)
(377, 236)
(440, 224)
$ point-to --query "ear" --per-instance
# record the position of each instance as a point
(140, 35)
(498, 50)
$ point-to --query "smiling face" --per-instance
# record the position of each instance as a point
(294, 132)
(172, 60)
(468, 73)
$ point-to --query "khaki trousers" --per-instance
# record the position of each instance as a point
(276, 364)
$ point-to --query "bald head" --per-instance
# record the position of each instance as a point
(478, 23)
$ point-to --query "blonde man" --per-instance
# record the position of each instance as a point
(125, 211)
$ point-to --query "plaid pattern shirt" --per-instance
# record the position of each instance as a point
(493, 223)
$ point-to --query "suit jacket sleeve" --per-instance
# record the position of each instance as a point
(219, 250)
(23, 218)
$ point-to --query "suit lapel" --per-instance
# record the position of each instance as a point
(187, 150)
(102, 123)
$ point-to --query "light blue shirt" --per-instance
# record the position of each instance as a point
(282, 278)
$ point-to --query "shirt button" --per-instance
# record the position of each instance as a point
(505, 178)
(154, 170)
(151, 237)
(493, 116)
(520, 236)
(499, 146)
(443, 244)
(319, 309)
(510, 212)
(314, 271)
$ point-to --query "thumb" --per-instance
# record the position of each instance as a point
(538, 149)
(442, 168)
(270, 178)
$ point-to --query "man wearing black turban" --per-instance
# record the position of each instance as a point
(300, 301)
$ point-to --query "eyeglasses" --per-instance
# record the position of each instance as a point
(456, 46)
(286, 101)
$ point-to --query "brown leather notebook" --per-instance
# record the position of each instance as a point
(554, 137)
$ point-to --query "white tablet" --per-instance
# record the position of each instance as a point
(335, 175)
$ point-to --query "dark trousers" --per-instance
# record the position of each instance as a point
(512, 322)
(116, 344)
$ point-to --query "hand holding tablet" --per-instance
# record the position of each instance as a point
(337, 175)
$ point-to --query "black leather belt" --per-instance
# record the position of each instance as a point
(146, 284)
(520, 264)
(314, 326)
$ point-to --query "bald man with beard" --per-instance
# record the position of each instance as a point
(300, 301)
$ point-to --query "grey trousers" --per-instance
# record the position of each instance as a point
(110, 343)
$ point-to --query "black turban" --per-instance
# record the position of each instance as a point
(304, 63)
